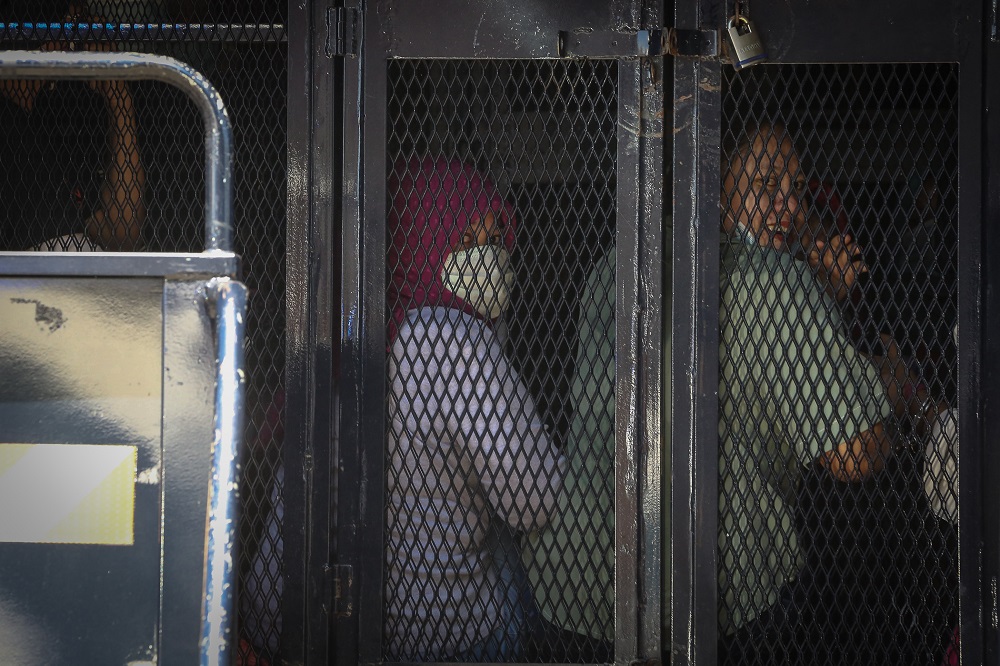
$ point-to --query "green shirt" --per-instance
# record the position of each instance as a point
(791, 387)
(571, 562)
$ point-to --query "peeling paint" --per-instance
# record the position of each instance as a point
(44, 315)
(149, 477)
(709, 87)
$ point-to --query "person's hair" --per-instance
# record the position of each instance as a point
(736, 142)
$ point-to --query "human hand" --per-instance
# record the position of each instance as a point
(838, 262)
(895, 375)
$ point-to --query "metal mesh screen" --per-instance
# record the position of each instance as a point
(838, 465)
(500, 443)
(131, 156)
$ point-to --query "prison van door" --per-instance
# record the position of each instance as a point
(818, 412)
(499, 487)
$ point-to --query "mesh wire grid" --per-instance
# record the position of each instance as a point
(63, 166)
(495, 550)
(838, 457)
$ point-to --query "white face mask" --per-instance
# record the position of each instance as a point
(481, 277)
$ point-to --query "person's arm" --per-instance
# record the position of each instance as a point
(910, 398)
(833, 408)
(116, 224)
(496, 420)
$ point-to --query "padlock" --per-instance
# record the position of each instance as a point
(747, 49)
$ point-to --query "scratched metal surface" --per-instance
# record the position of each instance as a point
(495, 29)
(80, 362)
(850, 31)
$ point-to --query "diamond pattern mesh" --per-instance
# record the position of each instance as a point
(64, 168)
(838, 464)
(499, 472)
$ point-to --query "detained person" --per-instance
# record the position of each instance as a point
(71, 175)
(794, 394)
(469, 462)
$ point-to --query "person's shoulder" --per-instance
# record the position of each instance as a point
(432, 323)
(603, 271)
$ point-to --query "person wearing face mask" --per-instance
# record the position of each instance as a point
(469, 462)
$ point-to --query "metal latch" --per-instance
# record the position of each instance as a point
(587, 43)
(342, 31)
(693, 43)
(343, 589)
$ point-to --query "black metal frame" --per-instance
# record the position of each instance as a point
(989, 340)
(336, 249)
(921, 32)
(312, 340)
(409, 30)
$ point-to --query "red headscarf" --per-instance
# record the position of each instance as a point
(433, 203)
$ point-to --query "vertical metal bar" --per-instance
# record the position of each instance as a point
(695, 339)
(988, 503)
(347, 454)
(229, 300)
(651, 303)
(970, 294)
(133, 66)
(628, 436)
(296, 453)
(363, 327)
(187, 428)
(324, 319)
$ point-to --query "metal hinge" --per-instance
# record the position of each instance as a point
(341, 577)
(342, 32)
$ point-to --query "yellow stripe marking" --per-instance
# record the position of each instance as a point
(67, 493)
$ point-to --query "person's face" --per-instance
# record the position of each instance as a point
(764, 190)
(487, 230)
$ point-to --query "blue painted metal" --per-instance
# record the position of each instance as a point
(144, 32)
(229, 301)
(189, 587)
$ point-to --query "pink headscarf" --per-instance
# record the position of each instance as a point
(433, 203)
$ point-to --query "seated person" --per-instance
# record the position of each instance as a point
(796, 399)
(468, 461)
(793, 390)
(571, 562)
(71, 175)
